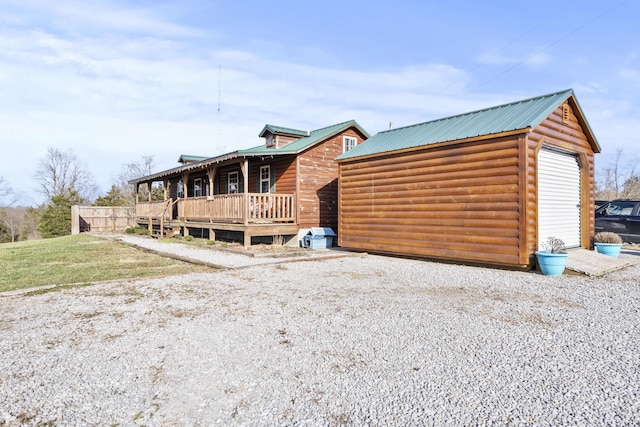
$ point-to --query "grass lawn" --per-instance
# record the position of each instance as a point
(80, 259)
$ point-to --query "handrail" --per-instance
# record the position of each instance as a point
(240, 208)
(243, 208)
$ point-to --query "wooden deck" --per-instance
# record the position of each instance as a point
(253, 214)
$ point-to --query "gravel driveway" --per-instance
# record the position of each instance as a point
(363, 341)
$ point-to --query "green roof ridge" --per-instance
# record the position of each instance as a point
(306, 141)
(496, 119)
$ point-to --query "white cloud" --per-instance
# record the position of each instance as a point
(121, 82)
(80, 15)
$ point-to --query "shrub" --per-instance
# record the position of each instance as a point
(143, 231)
(553, 245)
(607, 237)
(188, 237)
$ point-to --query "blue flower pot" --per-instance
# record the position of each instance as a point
(552, 264)
(609, 249)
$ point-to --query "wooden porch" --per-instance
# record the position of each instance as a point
(253, 214)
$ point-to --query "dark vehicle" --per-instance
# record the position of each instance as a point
(621, 217)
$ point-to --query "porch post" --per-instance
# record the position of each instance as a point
(211, 173)
(165, 187)
(185, 184)
(150, 226)
(244, 167)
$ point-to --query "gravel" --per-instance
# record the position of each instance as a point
(363, 341)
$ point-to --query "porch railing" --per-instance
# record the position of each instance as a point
(239, 208)
(155, 210)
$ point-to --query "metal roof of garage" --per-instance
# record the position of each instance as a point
(520, 115)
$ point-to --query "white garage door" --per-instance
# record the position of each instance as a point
(558, 197)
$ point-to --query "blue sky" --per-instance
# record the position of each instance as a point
(113, 80)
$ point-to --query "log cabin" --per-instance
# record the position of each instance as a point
(485, 187)
(282, 188)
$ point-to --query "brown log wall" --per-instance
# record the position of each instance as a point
(285, 170)
(458, 202)
(318, 183)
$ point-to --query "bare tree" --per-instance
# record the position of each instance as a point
(60, 172)
(133, 170)
(619, 179)
(5, 192)
(10, 217)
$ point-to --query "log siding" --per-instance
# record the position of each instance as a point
(318, 184)
(473, 200)
(455, 203)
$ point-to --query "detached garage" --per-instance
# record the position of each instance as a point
(483, 187)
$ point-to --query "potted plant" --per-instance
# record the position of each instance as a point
(608, 243)
(552, 257)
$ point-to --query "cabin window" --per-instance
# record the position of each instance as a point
(180, 190)
(270, 140)
(265, 179)
(232, 182)
(349, 142)
(197, 187)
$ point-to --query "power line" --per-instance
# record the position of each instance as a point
(511, 42)
(550, 45)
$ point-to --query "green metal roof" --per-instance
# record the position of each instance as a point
(504, 118)
(294, 147)
(185, 158)
(303, 143)
(282, 130)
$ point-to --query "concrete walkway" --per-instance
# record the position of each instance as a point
(222, 258)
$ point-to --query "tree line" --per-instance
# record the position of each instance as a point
(64, 181)
(620, 179)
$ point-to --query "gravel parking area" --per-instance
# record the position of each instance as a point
(362, 341)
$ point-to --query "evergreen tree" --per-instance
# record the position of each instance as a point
(5, 236)
(113, 198)
(56, 218)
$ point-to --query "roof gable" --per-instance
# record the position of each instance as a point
(516, 116)
(311, 138)
(279, 130)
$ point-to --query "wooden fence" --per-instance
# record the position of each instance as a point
(101, 218)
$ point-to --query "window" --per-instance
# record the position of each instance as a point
(265, 179)
(197, 187)
(232, 182)
(270, 140)
(180, 190)
(349, 142)
(623, 208)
